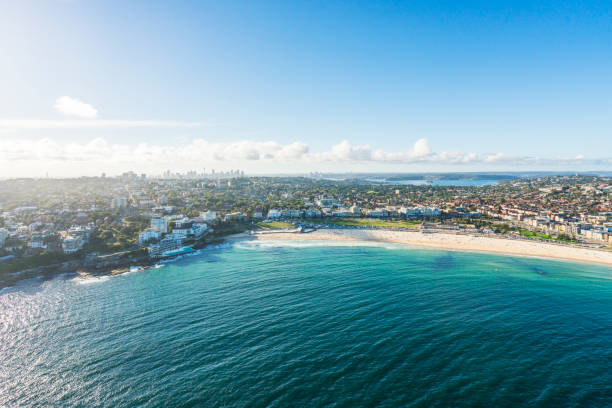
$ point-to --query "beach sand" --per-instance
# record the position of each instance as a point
(440, 240)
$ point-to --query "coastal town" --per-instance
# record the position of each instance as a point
(47, 221)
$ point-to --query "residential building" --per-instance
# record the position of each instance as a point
(71, 243)
(378, 213)
(170, 242)
(355, 211)
(292, 213)
(312, 213)
(274, 213)
(327, 203)
(190, 229)
(236, 216)
(3, 235)
(148, 235)
(37, 242)
(208, 216)
(119, 202)
(159, 224)
(342, 212)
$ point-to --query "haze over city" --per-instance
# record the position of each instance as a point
(294, 87)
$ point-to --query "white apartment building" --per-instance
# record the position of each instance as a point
(208, 216)
(159, 224)
(148, 235)
(3, 235)
(170, 242)
(312, 213)
(190, 230)
(71, 244)
(37, 242)
(274, 213)
(378, 213)
(327, 202)
(419, 211)
(292, 213)
(342, 212)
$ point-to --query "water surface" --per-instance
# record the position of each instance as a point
(440, 182)
(300, 324)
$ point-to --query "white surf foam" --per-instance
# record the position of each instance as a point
(271, 243)
(91, 280)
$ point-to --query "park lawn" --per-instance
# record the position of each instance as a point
(540, 235)
(274, 225)
(369, 222)
(528, 234)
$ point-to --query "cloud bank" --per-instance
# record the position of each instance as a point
(200, 153)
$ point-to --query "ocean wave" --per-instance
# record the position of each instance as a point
(223, 245)
(91, 279)
(271, 243)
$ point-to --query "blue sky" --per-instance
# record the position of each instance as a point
(304, 86)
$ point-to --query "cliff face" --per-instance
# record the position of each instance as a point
(97, 265)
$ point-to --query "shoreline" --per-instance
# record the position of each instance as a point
(454, 242)
(96, 270)
(415, 239)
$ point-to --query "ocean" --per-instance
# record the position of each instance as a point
(439, 182)
(307, 324)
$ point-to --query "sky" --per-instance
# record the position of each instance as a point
(291, 87)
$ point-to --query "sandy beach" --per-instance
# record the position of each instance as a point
(456, 242)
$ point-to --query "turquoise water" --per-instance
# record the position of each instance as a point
(303, 325)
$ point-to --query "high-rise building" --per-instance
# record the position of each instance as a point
(3, 236)
(159, 224)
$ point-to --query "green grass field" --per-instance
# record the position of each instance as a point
(274, 225)
(540, 235)
(368, 222)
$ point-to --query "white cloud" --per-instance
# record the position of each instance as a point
(73, 107)
(69, 106)
(42, 124)
(98, 155)
(196, 151)
(421, 148)
(344, 152)
(419, 153)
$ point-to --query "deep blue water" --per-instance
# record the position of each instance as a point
(304, 325)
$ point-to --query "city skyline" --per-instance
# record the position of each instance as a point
(96, 87)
